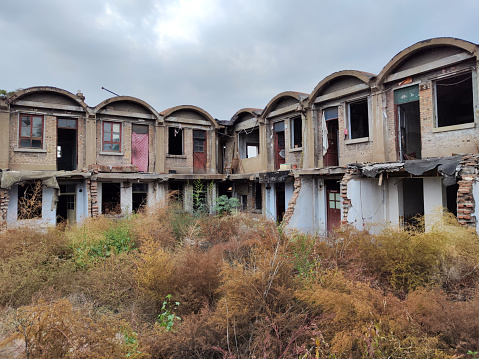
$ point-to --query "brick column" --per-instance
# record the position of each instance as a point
(465, 198)
(292, 202)
(345, 201)
(92, 187)
(4, 199)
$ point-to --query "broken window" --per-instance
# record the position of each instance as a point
(248, 143)
(111, 136)
(31, 131)
(175, 141)
(454, 100)
(30, 200)
(296, 132)
(110, 198)
(358, 119)
(139, 196)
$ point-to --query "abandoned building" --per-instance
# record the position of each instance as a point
(364, 149)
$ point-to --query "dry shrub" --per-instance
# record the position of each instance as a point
(257, 299)
(153, 224)
(453, 322)
(14, 242)
(359, 321)
(23, 276)
(194, 337)
(110, 283)
(57, 330)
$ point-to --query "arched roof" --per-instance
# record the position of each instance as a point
(127, 98)
(408, 52)
(299, 96)
(20, 93)
(171, 110)
(361, 75)
(255, 112)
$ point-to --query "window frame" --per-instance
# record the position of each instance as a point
(436, 127)
(348, 110)
(293, 132)
(111, 142)
(31, 138)
(181, 131)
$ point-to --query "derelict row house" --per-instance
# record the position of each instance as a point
(363, 149)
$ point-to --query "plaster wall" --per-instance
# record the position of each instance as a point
(368, 203)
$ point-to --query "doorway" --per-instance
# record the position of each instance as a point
(139, 147)
(413, 202)
(110, 198)
(333, 204)
(409, 124)
(66, 206)
(66, 144)
(199, 151)
(279, 145)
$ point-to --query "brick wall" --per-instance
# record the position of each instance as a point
(465, 198)
(4, 199)
(292, 202)
(34, 158)
(92, 188)
(345, 201)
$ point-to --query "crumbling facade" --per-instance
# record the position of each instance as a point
(363, 149)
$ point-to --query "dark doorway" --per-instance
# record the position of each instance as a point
(110, 198)
(66, 206)
(258, 196)
(139, 196)
(176, 192)
(413, 202)
(451, 198)
(279, 145)
(409, 131)
(280, 201)
(333, 204)
(66, 144)
(199, 151)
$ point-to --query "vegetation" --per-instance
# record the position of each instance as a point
(242, 287)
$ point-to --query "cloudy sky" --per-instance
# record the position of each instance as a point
(221, 55)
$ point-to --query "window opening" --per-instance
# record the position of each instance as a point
(248, 143)
(30, 200)
(198, 141)
(296, 132)
(175, 141)
(358, 119)
(454, 100)
(111, 137)
(110, 198)
(139, 196)
(31, 131)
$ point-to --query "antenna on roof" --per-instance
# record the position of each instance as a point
(103, 88)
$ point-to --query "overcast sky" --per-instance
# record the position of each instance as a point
(221, 55)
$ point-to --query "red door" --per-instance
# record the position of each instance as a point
(331, 156)
(334, 208)
(199, 151)
(139, 147)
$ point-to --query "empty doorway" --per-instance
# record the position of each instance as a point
(409, 124)
(280, 202)
(279, 145)
(331, 157)
(66, 206)
(66, 144)
(413, 202)
(110, 198)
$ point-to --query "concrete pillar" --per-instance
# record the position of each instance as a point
(126, 197)
(90, 140)
(4, 136)
(160, 149)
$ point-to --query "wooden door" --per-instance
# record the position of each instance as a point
(279, 149)
(334, 209)
(331, 156)
(140, 147)
(199, 151)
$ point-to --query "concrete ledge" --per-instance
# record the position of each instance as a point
(357, 140)
(462, 126)
(32, 150)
